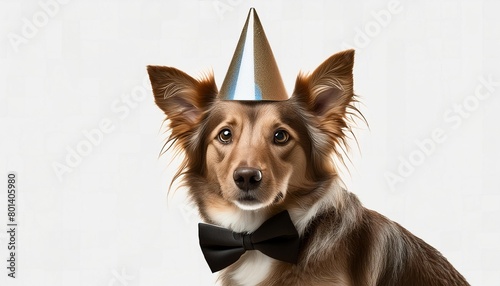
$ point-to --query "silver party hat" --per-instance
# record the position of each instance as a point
(253, 73)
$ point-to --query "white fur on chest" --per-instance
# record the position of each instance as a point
(254, 269)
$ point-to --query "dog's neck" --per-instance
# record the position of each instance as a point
(239, 220)
(254, 267)
(302, 215)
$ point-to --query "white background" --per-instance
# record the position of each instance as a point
(105, 219)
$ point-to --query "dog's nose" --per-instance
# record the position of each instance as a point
(247, 178)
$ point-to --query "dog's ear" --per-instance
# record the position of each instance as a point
(327, 93)
(328, 90)
(181, 97)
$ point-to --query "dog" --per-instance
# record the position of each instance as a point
(247, 161)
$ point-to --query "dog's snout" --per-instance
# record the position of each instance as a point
(247, 178)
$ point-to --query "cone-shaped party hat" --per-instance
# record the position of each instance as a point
(253, 73)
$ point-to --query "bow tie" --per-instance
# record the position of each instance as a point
(276, 238)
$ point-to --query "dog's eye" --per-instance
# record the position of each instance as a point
(281, 137)
(225, 136)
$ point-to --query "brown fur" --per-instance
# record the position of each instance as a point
(343, 243)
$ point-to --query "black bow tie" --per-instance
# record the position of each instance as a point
(276, 238)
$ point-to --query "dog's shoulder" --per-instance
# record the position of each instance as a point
(367, 248)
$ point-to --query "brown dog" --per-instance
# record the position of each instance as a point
(247, 161)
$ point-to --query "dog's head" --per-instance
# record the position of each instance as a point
(257, 155)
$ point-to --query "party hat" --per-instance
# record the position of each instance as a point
(253, 73)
